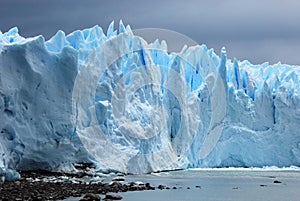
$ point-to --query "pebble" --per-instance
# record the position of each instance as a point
(113, 197)
(118, 179)
(91, 197)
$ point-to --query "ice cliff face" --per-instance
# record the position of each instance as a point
(126, 105)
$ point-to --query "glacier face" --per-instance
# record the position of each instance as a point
(127, 105)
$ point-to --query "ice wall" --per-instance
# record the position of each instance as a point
(127, 105)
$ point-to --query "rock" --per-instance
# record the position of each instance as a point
(118, 179)
(161, 187)
(113, 197)
(91, 197)
(277, 182)
(174, 187)
(132, 184)
(116, 184)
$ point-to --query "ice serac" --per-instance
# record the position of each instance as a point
(126, 105)
(35, 102)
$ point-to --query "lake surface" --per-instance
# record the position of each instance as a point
(219, 184)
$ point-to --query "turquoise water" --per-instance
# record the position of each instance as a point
(219, 184)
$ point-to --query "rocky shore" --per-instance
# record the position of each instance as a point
(41, 185)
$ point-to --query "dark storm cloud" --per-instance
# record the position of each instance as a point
(260, 31)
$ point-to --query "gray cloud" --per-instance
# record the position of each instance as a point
(254, 30)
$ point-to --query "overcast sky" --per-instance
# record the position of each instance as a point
(257, 30)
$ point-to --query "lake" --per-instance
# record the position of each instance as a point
(218, 184)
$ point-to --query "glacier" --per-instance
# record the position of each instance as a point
(127, 105)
